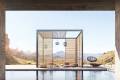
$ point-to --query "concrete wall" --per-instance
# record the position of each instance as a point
(2, 41)
(117, 66)
(117, 39)
(117, 27)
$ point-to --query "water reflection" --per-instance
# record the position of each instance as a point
(21, 75)
(99, 75)
(59, 75)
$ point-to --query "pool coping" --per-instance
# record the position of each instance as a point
(57, 69)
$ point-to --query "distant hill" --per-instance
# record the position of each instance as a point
(19, 57)
(59, 54)
(10, 59)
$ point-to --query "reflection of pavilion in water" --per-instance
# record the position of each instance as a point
(63, 75)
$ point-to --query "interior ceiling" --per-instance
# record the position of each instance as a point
(60, 4)
(51, 35)
(59, 34)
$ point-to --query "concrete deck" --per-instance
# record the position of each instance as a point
(33, 68)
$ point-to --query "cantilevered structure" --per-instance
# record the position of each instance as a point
(59, 48)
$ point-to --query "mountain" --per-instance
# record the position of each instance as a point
(59, 54)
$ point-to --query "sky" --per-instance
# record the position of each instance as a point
(98, 27)
(60, 47)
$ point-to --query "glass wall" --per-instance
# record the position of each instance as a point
(79, 41)
(58, 52)
(70, 52)
(45, 50)
(59, 48)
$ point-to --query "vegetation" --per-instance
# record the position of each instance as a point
(20, 57)
(106, 58)
(14, 57)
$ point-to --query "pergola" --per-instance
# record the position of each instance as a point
(55, 5)
(56, 47)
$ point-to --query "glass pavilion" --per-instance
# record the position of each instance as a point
(59, 48)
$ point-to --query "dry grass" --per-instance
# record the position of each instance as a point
(23, 61)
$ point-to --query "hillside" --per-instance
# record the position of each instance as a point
(14, 57)
(107, 58)
(10, 59)
(104, 58)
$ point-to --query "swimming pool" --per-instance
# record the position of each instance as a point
(59, 75)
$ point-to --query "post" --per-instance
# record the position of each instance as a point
(2, 40)
(37, 55)
(82, 48)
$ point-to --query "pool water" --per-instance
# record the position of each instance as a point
(59, 75)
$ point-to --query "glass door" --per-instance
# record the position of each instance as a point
(58, 52)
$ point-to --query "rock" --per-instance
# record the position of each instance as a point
(92, 59)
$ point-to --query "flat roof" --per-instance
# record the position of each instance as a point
(59, 34)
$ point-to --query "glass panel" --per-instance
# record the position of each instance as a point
(56, 49)
(98, 75)
(58, 52)
(70, 52)
(45, 51)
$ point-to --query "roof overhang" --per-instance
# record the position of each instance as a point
(60, 4)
